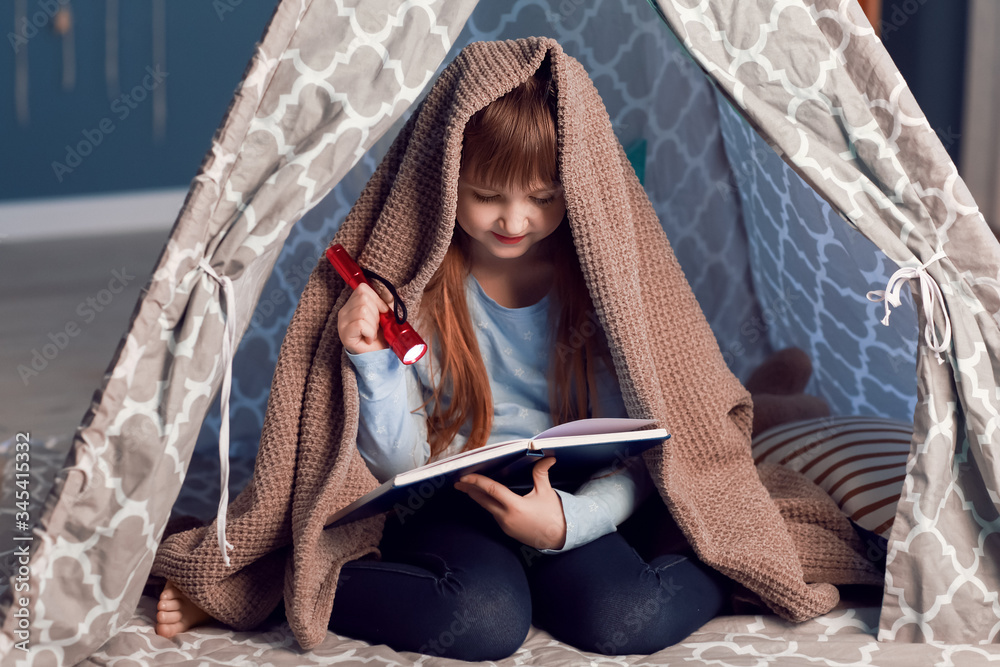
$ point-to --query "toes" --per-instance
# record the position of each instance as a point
(169, 605)
(167, 630)
(176, 613)
(168, 617)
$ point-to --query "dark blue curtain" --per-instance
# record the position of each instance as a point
(927, 40)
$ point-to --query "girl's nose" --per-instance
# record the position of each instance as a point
(515, 221)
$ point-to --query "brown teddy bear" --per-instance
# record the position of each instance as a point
(776, 388)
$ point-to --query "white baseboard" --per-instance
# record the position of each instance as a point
(26, 220)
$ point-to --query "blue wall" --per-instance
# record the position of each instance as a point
(208, 47)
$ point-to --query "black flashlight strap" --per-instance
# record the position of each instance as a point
(399, 308)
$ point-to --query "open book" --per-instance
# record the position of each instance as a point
(581, 448)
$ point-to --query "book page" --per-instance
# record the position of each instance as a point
(594, 426)
(463, 460)
(474, 452)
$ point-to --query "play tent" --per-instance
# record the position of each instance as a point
(779, 250)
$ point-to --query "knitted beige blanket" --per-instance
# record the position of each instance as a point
(665, 355)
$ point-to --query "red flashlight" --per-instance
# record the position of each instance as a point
(404, 341)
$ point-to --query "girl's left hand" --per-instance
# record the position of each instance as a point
(535, 519)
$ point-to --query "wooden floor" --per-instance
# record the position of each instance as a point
(64, 305)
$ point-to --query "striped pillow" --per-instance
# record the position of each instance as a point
(859, 461)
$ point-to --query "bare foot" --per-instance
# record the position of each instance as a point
(176, 613)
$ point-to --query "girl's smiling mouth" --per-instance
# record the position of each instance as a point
(510, 240)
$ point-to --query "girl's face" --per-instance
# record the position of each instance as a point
(507, 223)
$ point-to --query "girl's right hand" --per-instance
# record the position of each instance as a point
(358, 321)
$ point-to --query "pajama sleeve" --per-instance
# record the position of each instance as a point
(603, 502)
(391, 440)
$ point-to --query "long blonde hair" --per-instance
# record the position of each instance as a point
(511, 143)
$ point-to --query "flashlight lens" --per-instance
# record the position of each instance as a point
(414, 353)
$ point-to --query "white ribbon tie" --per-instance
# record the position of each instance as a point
(228, 302)
(930, 293)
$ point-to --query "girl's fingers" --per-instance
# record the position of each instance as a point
(540, 474)
(494, 489)
(366, 313)
(493, 496)
(488, 502)
(364, 332)
(370, 296)
(358, 321)
(365, 299)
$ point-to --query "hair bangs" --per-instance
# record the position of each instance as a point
(512, 142)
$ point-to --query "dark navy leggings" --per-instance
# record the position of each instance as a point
(451, 583)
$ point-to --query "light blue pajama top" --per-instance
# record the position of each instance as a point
(516, 347)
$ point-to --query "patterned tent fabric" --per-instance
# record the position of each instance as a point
(298, 123)
(838, 111)
(842, 638)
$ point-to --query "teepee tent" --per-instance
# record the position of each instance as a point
(795, 177)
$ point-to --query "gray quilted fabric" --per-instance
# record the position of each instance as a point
(817, 82)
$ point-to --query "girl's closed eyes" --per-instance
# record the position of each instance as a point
(542, 198)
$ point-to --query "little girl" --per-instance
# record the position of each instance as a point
(508, 290)
(530, 258)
